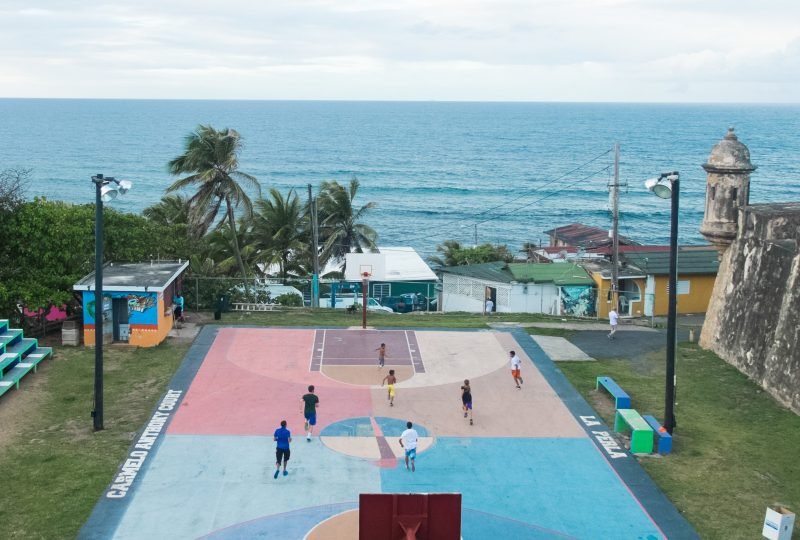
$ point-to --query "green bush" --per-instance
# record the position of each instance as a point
(289, 300)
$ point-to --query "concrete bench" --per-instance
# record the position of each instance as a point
(244, 306)
(641, 432)
(664, 438)
(622, 400)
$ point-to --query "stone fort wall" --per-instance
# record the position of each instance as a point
(753, 320)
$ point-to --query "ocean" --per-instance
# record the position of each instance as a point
(505, 172)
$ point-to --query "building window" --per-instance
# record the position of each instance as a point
(734, 194)
(381, 290)
(683, 286)
(712, 191)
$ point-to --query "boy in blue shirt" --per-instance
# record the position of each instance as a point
(283, 437)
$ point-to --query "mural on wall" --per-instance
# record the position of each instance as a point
(578, 300)
(142, 307)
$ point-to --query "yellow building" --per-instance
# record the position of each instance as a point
(644, 281)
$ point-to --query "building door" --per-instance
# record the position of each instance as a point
(491, 294)
(649, 296)
(119, 316)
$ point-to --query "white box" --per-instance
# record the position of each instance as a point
(778, 523)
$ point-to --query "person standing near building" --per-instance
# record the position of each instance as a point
(177, 303)
(516, 365)
(282, 437)
(466, 400)
(310, 404)
(613, 320)
(408, 440)
(391, 380)
(489, 306)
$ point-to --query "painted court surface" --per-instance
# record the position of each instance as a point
(535, 464)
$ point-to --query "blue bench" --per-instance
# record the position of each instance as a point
(622, 400)
(664, 438)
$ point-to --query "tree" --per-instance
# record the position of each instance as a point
(52, 246)
(170, 210)
(211, 158)
(340, 221)
(280, 229)
(454, 254)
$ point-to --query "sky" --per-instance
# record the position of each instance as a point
(445, 50)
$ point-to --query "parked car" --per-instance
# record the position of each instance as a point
(343, 302)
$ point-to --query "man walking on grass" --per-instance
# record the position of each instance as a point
(310, 404)
(283, 437)
(516, 364)
(408, 440)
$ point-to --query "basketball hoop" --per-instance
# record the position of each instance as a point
(365, 275)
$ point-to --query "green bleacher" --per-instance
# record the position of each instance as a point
(18, 356)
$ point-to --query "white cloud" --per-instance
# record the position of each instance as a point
(586, 50)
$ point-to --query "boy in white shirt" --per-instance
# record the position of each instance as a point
(516, 364)
(408, 440)
(613, 320)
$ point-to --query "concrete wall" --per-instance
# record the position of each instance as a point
(753, 319)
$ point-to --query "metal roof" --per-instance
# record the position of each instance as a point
(389, 264)
(135, 277)
(556, 273)
(691, 260)
(492, 271)
(578, 234)
(501, 272)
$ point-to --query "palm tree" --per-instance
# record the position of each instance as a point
(280, 228)
(211, 158)
(170, 210)
(340, 221)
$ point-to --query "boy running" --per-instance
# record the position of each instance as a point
(310, 404)
(516, 363)
(381, 355)
(408, 440)
(390, 379)
(283, 437)
(466, 400)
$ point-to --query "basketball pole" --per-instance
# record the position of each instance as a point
(364, 287)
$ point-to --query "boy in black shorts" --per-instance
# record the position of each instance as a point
(283, 437)
(466, 400)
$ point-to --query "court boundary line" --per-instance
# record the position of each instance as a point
(313, 352)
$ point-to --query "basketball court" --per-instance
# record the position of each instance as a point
(537, 463)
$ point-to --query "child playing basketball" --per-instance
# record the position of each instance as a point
(381, 355)
(466, 400)
(390, 379)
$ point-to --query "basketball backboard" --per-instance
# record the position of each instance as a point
(414, 516)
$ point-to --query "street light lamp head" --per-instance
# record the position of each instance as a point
(661, 186)
(124, 186)
(108, 193)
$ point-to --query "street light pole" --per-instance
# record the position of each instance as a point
(669, 403)
(667, 186)
(97, 413)
(104, 191)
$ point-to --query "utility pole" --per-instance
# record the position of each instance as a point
(312, 209)
(615, 231)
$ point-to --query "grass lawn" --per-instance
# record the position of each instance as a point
(340, 317)
(54, 467)
(556, 332)
(735, 449)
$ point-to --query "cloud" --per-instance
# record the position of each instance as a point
(641, 50)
